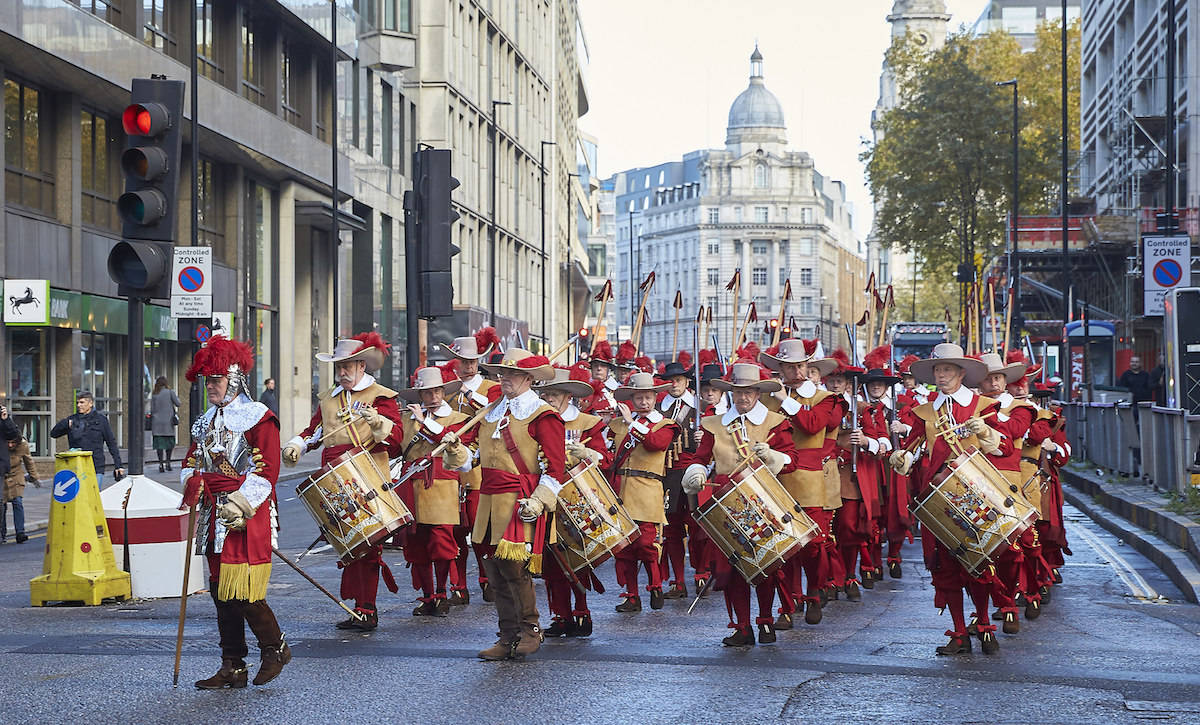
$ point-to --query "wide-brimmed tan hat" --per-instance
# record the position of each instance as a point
(368, 347)
(522, 361)
(638, 382)
(429, 378)
(948, 352)
(474, 347)
(746, 376)
(995, 364)
(562, 383)
(795, 351)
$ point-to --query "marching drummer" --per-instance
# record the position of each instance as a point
(585, 441)
(522, 453)
(747, 429)
(357, 413)
(679, 403)
(430, 547)
(954, 417)
(231, 469)
(476, 392)
(643, 438)
(812, 412)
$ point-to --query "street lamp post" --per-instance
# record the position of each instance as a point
(492, 220)
(570, 269)
(542, 163)
(1014, 258)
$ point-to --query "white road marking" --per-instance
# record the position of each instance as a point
(1138, 586)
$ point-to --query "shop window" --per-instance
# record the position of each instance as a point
(212, 207)
(30, 395)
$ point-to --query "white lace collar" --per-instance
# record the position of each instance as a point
(963, 396)
(1006, 399)
(240, 415)
(669, 400)
(570, 414)
(472, 383)
(756, 415)
(653, 416)
(441, 411)
(367, 381)
(520, 407)
(807, 389)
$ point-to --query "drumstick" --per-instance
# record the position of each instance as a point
(315, 583)
(340, 428)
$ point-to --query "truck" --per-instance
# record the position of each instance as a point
(917, 338)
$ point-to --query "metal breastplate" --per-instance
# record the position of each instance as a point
(225, 451)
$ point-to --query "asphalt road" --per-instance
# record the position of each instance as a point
(1115, 645)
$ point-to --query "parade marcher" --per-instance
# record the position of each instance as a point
(894, 521)
(858, 449)
(625, 363)
(230, 471)
(522, 452)
(643, 438)
(1013, 420)
(712, 400)
(356, 414)
(601, 364)
(912, 394)
(1054, 454)
(746, 429)
(679, 404)
(430, 547)
(954, 418)
(585, 440)
(812, 412)
(476, 392)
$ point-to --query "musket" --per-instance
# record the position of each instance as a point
(696, 368)
(636, 334)
(1008, 317)
(721, 360)
(853, 403)
(992, 317)
(734, 285)
(751, 316)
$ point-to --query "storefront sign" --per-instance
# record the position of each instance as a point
(90, 313)
(27, 302)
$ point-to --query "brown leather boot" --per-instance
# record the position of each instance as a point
(677, 591)
(275, 651)
(1011, 624)
(812, 611)
(960, 643)
(459, 598)
(273, 660)
(529, 642)
(631, 604)
(783, 622)
(502, 650)
(232, 675)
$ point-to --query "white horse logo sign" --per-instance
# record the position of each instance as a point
(26, 302)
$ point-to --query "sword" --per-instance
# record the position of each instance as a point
(708, 584)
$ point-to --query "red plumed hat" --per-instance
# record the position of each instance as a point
(581, 371)
(772, 350)
(219, 356)
(449, 371)
(684, 358)
(603, 352)
(626, 353)
(371, 339)
(749, 351)
(707, 356)
(906, 362)
(644, 363)
(878, 359)
(843, 360)
(487, 340)
(1016, 356)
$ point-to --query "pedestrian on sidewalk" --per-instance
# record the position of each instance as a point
(87, 430)
(14, 488)
(164, 420)
(269, 397)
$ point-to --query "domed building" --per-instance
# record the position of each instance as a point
(755, 207)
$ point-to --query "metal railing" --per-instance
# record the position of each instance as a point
(1109, 435)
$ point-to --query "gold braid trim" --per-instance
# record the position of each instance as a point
(243, 581)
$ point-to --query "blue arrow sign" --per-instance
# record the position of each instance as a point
(66, 486)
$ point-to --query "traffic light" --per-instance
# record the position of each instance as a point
(435, 219)
(583, 333)
(140, 264)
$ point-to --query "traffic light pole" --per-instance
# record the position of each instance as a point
(136, 440)
(412, 283)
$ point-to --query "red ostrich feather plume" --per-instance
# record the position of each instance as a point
(878, 359)
(215, 358)
(485, 338)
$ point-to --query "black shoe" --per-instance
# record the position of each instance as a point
(1011, 624)
(958, 644)
(368, 622)
(812, 612)
(656, 599)
(22, 538)
(558, 628)
(1057, 577)
(486, 588)
(441, 607)
(998, 615)
(739, 638)
(162, 468)
(1020, 600)
(973, 626)
(1045, 592)
(459, 598)
(677, 591)
(766, 634)
(169, 466)
(852, 592)
(631, 604)
(868, 578)
(583, 626)
(895, 571)
(784, 621)
(425, 609)
(989, 643)
(1033, 610)
(700, 584)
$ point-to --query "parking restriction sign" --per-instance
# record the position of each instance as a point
(1166, 265)
(191, 285)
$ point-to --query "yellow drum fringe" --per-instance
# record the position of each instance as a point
(243, 581)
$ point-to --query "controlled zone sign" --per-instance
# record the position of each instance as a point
(1166, 265)
(191, 282)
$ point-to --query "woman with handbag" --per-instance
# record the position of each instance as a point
(163, 421)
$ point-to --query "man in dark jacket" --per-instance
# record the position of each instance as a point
(9, 432)
(88, 430)
(1136, 381)
(269, 397)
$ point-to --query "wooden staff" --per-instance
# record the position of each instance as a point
(889, 301)
(787, 295)
(751, 316)
(317, 584)
(474, 421)
(183, 597)
(678, 305)
(1008, 308)
(992, 315)
(708, 324)
(646, 286)
(979, 329)
(734, 284)
(602, 297)
(563, 348)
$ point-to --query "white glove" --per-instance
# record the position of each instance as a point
(775, 460)
(529, 509)
(291, 453)
(450, 438)
(1049, 446)
(577, 449)
(455, 456)
(370, 416)
(989, 440)
(694, 477)
(235, 511)
(760, 449)
(902, 461)
(976, 425)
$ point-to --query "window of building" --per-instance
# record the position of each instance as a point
(110, 10)
(761, 180)
(291, 89)
(714, 215)
(27, 151)
(397, 15)
(782, 275)
(714, 276)
(158, 28)
(806, 305)
(806, 215)
(662, 175)
(714, 247)
(807, 247)
(206, 43)
(261, 239)
(386, 127)
(252, 63)
(369, 114)
(737, 214)
(783, 213)
(758, 248)
(31, 371)
(761, 214)
(806, 276)
(759, 276)
(324, 112)
(645, 202)
(96, 183)
(211, 208)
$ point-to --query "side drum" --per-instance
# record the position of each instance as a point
(590, 523)
(354, 504)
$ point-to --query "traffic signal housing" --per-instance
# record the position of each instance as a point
(435, 220)
(140, 264)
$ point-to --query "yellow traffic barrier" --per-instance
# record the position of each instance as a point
(79, 565)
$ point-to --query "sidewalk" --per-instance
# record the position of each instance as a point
(37, 500)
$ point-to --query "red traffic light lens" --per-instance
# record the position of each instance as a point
(583, 332)
(145, 119)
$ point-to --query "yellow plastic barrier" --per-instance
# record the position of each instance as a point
(79, 565)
